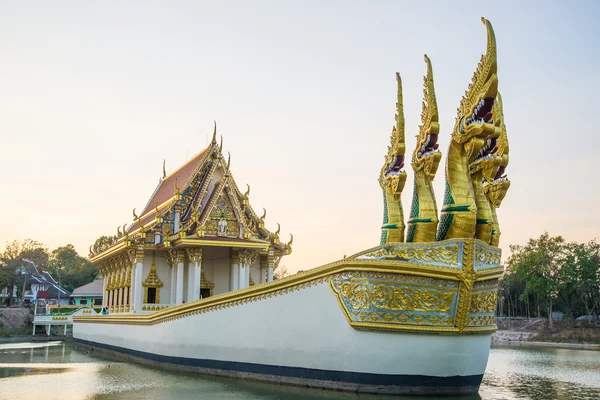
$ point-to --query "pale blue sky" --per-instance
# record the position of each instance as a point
(94, 95)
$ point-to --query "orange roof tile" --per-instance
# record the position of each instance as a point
(166, 189)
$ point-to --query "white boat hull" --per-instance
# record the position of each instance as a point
(297, 337)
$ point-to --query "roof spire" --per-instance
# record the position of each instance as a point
(214, 137)
(164, 169)
(135, 215)
(264, 214)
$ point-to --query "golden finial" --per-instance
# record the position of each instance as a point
(278, 229)
(177, 190)
(221, 144)
(135, 215)
(119, 234)
(399, 128)
(491, 40)
(291, 240)
(91, 252)
(264, 214)
(164, 169)
(247, 192)
(214, 137)
(228, 161)
(125, 230)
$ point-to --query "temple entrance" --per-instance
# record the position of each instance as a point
(151, 295)
(204, 293)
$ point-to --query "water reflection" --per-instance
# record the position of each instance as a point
(61, 371)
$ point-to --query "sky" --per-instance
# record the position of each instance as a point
(94, 95)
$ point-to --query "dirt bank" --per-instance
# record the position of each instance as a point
(15, 317)
(536, 332)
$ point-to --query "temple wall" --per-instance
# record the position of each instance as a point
(221, 273)
(255, 272)
(216, 263)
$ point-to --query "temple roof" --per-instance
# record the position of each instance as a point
(166, 188)
(198, 204)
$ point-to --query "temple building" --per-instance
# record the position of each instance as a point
(196, 237)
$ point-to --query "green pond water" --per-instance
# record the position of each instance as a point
(55, 370)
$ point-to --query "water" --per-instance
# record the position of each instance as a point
(56, 370)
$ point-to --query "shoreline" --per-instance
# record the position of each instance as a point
(29, 338)
(504, 343)
(555, 345)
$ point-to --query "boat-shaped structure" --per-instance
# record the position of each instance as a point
(190, 284)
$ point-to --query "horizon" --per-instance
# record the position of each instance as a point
(95, 97)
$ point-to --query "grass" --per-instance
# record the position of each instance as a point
(63, 310)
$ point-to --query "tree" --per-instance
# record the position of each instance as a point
(588, 275)
(12, 258)
(539, 264)
(70, 268)
(103, 243)
(281, 272)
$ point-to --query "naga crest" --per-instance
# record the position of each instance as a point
(426, 156)
(392, 173)
(474, 122)
(495, 183)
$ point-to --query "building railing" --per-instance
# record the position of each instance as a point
(155, 307)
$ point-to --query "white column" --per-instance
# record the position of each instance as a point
(138, 279)
(132, 288)
(173, 281)
(241, 275)
(235, 272)
(197, 277)
(270, 264)
(179, 295)
(104, 292)
(247, 283)
(65, 331)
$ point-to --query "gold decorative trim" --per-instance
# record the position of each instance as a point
(308, 279)
(221, 243)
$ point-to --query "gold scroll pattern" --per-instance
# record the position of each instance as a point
(396, 299)
(447, 255)
(486, 258)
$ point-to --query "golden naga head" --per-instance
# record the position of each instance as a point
(495, 182)
(474, 120)
(426, 156)
(392, 173)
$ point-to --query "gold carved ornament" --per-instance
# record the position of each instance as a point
(152, 281)
(441, 254)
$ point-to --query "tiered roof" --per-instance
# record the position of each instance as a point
(203, 200)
